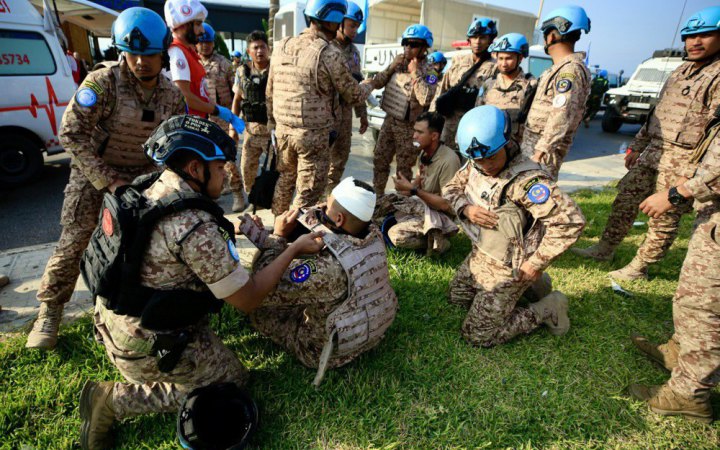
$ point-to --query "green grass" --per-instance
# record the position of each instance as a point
(423, 387)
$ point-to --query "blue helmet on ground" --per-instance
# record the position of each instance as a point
(208, 35)
(418, 31)
(566, 20)
(354, 12)
(237, 54)
(140, 31)
(190, 133)
(603, 73)
(326, 10)
(436, 58)
(482, 26)
(511, 43)
(703, 21)
(482, 132)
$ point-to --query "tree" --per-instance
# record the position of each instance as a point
(274, 7)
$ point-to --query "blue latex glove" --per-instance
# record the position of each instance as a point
(227, 115)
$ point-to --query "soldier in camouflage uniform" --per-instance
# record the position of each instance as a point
(562, 91)
(658, 156)
(409, 83)
(598, 88)
(250, 81)
(480, 35)
(188, 251)
(511, 90)
(219, 78)
(330, 308)
(693, 353)
(519, 222)
(340, 151)
(103, 129)
(307, 75)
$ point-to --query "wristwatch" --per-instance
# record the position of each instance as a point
(675, 198)
(413, 192)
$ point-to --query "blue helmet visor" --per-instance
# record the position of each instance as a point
(135, 41)
(480, 29)
(479, 151)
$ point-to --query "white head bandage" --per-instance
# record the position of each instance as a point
(180, 12)
(357, 200)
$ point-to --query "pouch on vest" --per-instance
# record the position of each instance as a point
(459, 97)
(253, 106)
(262, 192)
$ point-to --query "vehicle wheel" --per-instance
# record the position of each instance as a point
(611, 122)
(375, 134)
(21, 159)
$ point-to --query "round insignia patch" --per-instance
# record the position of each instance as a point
(538, 193)
(186, 10)
(107, 222)
(233, 250)
(86, 97)
(563, 85)
(300, 273)
(559, 101)
(181, 64)
(431, 79)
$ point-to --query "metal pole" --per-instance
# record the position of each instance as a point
(422, 12)
(539, 13)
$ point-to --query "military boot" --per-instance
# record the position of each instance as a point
(664, 354)
(44, 333)
(238, 202)
(437, 243)
(636, 270)
(552, 310)
(97, 415)
(666, 402)
(601, 251)
(540, 288)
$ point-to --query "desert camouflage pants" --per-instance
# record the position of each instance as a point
(253, 147)
(235, 180)
(489, 290)
(696, 311)
(78, 218)
(408, 232)
(450, 130)
(638, 184)
(551, 162)
(340, 151)
(394, 140)
(303, 161)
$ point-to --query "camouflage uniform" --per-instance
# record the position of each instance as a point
(117, 115)
(514, 98)
(257, 136)
(219, 82)
(460, 65)
(598, 88)
(340, 151)
(186, 251)
(686, 105)
(556, 111)
(485, 282)
(406, 96)
(306, 76)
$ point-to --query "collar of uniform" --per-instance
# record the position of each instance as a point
(168, 183)
(577, 56)
(499, 78)
(690, 72)
(256, 70)
(128, 77)
(314, 33)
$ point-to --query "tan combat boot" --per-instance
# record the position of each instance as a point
(44, 333)
(599, 252)
(238, 202)
(666, 402)
(634, 271)
(539, 289)
(552, 310)
(664, 354)
(97, 415)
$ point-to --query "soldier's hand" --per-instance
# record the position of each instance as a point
(656, 205)
(527, 272)
(631, 159)
(363, 125)
(308, 244)
(402, 184)
(286, 222)
(398, 62)
(413, 65)
(233, 134)
(480, 216)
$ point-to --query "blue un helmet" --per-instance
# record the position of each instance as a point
(189, 133)
(237, 54)
(603, 73)
(436, 58)
(483, 131)
(705, 20)
(566, 20)
(418, 31)
(326, 10)
(483, 26)
(354, 12)
(208, 35)
(511, 43)
(140, 31)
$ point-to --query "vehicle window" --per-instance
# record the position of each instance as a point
(652, 75)
(25, 53)
(538, 65)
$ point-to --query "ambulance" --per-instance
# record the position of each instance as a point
(37, 85)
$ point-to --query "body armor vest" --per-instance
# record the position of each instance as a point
(512, 99)
(397, 97)
(125, 128)
(684, 111)
(253, 105)
(517, 235)
(217, 84)
(297, 100)
(359, 323)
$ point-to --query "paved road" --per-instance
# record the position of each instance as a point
(30, 215)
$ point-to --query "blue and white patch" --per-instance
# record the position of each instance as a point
(86, 97)
(563, 85)
(538, 193)
(300, 273)
(233, 251)
(431, 79)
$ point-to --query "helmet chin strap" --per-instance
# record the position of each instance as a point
(203, 184)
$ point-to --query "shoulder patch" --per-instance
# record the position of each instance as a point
(301, 273)
(94, 86)
(431, 78)
(538, 193)
(563, 85)
(559, 101)
(233, 251)
(530, 183)
(567, 75)
(86, 97)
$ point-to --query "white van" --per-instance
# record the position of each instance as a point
(37, 86)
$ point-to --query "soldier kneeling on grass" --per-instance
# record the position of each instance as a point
(331, 307)
(519, 222)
